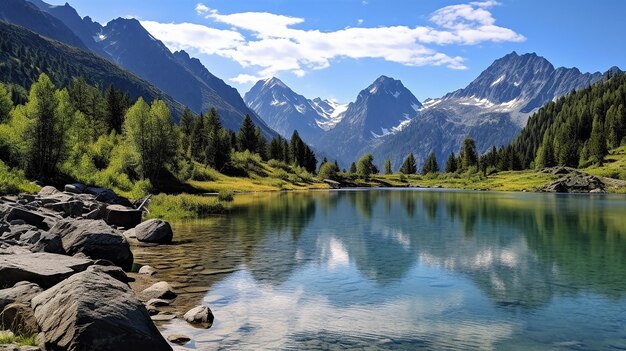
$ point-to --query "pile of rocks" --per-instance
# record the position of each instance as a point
(63, 257)
(573, 181)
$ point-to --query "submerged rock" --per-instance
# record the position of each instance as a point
(160, 290)
(93, 311)
(200, 316)
(147, 270)
(178, 339)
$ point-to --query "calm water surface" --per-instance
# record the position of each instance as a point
(405, 269)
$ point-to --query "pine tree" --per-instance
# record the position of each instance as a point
(115, 109)
(261, 147)
(597, 141)
(198, 139)
(409, 166)
(451, 166)
(296, 149)
(545, 153)
(353, 168)
(469, 156)
(186, 128)
(388, 167)
(431, 165)
(246, 138)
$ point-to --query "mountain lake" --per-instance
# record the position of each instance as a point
(404, 270)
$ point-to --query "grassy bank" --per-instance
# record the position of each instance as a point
(7, 338)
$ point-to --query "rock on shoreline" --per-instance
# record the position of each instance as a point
(62, 263)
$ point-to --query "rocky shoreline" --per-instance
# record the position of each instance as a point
(67, 273)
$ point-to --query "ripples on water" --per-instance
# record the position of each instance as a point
(404, 269)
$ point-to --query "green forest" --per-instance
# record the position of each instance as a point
(86, 134)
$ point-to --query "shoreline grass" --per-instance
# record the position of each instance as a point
(185, 206)
(7, 338)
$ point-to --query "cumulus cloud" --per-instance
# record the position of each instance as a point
(187, 36)
(269, 43)
(201, 9)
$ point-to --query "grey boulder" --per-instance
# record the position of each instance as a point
(94, 311)
(95, 239)
(154, 231)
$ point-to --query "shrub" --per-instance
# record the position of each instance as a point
(13, 181)
(226, 196)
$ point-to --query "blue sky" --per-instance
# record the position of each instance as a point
(335, 48)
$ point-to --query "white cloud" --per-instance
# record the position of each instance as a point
(186, 36)
(268, 43)
(359, 21)
(247, 78)
(201, 9)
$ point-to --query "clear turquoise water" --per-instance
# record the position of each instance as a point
(410, 269)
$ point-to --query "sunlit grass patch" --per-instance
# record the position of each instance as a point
(185, 206)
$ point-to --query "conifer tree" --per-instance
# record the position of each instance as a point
(431, 165)
(451, 164)
(469, 155)
(353, 168)
(409, 166)
(597, 141)
(388, 167)
(246, 138)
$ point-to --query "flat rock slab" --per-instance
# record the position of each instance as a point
(93, 311)
(29, 217)
(43, 269)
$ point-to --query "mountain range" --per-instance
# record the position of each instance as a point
(126, 43)
(387, 120)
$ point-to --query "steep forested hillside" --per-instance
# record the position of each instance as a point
(24, 55)
(576, 129)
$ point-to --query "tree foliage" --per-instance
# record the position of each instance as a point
(365, 166)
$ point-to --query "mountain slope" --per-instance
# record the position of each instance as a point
(385, 107)
(285, 111)
(126, 43)
(492, 109)
(25, 55)
(84, 28)
(27, 15)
